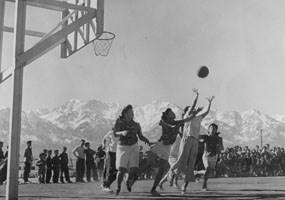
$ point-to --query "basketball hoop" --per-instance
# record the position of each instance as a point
(102, 44)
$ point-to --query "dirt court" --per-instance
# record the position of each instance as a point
(222, 188)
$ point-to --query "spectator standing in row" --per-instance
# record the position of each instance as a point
(80, 162)
(45, 151)
(2, 157)
(100, 157)
(3, 164)
(64, 166)
(28, 159)
(90, 163)
(49, 166)
(41, 163)
(55, 166)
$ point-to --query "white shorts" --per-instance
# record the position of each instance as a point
(161, 150)
(127, 156)
(209, 161)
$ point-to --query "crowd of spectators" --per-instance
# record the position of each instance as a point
(243, 162)
(53, 166)
(232, 162)
(239, 162)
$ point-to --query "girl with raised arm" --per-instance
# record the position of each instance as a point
(189, 148)
(161, 149)
(174, 151)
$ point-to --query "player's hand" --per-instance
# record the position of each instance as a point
(210, 99)
(124, 133)
(196, 91)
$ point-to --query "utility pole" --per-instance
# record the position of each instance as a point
(261, 143)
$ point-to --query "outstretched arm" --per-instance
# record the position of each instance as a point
(209, 107)
(195, 100)
(175, 123)
(141, 136)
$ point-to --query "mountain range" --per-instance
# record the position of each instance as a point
(67, 124)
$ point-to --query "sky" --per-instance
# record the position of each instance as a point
(158, 48)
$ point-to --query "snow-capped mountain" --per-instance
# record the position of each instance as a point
(76, 119)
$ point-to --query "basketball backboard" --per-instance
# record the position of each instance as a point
(79, 26)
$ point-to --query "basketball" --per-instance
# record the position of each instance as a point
(203, 72)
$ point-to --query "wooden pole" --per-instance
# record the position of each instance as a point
(63, 48)
(27, 32)
(2, 14)
(88, 24)
(261, 142)
(100, 17)
(75, 32)
(16, 107)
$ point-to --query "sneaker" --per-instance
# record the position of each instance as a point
(118, 191)
(204, 189)
(204, 185)
(155, 193)
(171, 180)
(26, 182)
(69, 181)
(129, 187)
(183, 190)
(102, 187)
(108, 190)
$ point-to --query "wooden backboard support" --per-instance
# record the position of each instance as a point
(77, 20)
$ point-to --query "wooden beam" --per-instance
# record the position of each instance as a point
(56, 5)
(6, 74)
(64, 20)
(88, 24)
(16, 107)
(100, 17)
(63, 47)
(93, 27)
(78, 31)
(69, 47)
(75, 39)
(43, 47)
(49, 43)
(2, 14)
(27, 32)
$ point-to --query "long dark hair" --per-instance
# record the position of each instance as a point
(165, 113)
(125, 110)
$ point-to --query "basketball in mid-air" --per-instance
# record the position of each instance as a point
(203, 72)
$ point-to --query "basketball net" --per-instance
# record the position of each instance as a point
(102, 44)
